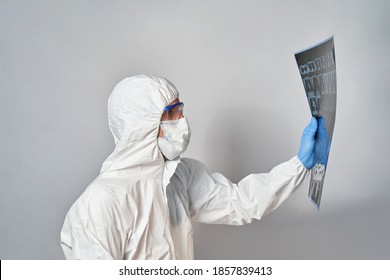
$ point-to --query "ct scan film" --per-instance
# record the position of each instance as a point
(317, 66)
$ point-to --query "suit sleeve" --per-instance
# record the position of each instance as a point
(213, 199)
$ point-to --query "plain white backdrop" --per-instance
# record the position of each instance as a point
(233, 64)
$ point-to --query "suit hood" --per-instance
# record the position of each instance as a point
(135, 107)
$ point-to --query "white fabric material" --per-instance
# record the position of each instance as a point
(140, 207)
(176, 137)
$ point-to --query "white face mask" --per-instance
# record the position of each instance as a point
(176, 137)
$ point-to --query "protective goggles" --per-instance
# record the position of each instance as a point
(173, 112)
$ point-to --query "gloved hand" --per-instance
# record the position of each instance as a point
(314, 144)
(306, 150)
(321, 148)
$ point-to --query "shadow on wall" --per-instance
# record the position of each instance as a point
(356, 232)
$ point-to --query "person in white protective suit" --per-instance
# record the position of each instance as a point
(145, 198)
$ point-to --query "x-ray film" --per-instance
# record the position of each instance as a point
(317, 66)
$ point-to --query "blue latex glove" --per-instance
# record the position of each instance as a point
(321, 150)
(306, 150)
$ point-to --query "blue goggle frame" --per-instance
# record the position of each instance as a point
(169, 107)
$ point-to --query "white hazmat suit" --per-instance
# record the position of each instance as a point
(142, 207)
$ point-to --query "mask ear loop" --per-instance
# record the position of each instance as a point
(164, 135)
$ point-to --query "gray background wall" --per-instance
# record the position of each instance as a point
(233, 64)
